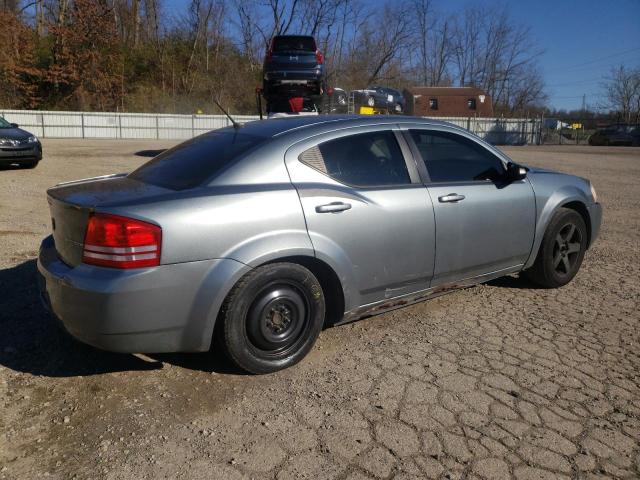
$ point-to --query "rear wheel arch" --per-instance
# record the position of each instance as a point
(327, 277)
(329, 281)
(271, 318)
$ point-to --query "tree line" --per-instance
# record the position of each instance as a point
(145, 55)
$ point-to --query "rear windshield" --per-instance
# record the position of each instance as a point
(189, 164)
(294, 44)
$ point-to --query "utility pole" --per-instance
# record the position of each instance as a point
(584, 113)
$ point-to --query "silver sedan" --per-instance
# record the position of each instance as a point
(253, 238)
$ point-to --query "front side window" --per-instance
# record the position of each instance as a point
(450, 157)
(363, 160)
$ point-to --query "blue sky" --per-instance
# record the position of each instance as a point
(581, 40)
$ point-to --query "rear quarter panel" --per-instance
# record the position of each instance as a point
(251, 214)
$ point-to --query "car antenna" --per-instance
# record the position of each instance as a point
(235, 124)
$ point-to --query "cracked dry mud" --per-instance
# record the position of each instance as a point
(496, 381)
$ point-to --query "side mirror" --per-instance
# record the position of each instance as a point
(515, 172)
(14, 125)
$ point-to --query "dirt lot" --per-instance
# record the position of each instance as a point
(497, 380)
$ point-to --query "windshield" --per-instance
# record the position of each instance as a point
(193, 162)
(4, 123)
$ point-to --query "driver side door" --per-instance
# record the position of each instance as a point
(483, 223)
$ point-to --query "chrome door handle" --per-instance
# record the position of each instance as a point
(451, 197)
(333, 207)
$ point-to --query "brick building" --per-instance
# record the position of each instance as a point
(447, 102)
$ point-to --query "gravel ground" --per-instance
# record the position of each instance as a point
(494, 381)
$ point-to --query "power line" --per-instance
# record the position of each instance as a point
(595, 60)
(563, 97)
(577, 82)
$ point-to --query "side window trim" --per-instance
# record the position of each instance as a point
(425, 173)
(409, 160)
(416, 157)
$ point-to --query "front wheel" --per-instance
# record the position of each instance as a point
(272, 317)
(561, 251)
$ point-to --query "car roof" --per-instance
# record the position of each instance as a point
(275, 127)
(292, 35)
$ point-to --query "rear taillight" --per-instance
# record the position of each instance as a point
(269, 56)
(121, 242)
(319, 57)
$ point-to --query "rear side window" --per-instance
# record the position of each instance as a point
(450, 157)
(189, 164)
(363, 160)
(294, 44)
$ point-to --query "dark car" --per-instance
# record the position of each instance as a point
(617, 134)
(293, 67)
(383, 98)
(18, 146)
(337, 101)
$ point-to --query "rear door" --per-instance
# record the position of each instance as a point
(366, 210)
(483, 224)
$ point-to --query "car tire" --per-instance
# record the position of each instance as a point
(30, 164)
(561, 251)
(272, 318)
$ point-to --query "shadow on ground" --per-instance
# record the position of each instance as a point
(11, 166)
(32, 341)
(150, 153)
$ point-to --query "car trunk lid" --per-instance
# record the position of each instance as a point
(71, 204)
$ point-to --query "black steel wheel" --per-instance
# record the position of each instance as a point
(278, 318)
(272, 317)
(561, 251)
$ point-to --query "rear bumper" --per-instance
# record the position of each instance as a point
(595, 217)
(169, 308)
(307, 75)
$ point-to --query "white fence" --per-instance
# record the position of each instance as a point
(50, 124)
(502, 131)
(116, 125)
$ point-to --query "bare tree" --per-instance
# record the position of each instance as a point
(499, 56)
(433, 42)
(376, 54)
(622, 92)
